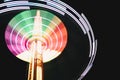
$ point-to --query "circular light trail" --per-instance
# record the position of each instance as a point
(20, 33)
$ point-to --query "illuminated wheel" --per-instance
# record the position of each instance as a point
(66, 40)
(22, 30)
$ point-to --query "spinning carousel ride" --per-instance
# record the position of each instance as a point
(46, 33)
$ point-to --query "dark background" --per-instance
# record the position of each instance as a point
(103, 17)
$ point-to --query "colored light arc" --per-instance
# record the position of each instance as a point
(50, 31)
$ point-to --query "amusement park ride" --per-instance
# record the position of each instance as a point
(43, 31)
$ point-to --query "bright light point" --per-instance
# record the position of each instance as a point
(48, 55)
(37, 28)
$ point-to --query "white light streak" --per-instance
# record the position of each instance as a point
(46, 6)
(89, 26)
(56, 5)
(82, 27)
(13, 8)
(14, 3)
